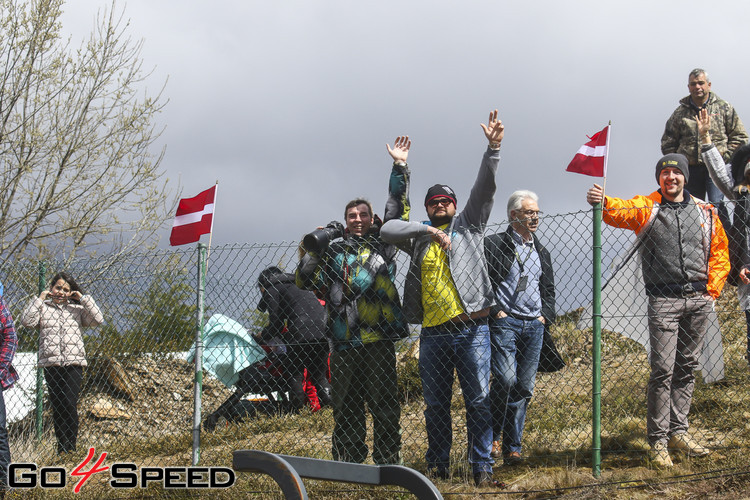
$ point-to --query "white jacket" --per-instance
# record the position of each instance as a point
(60, 335)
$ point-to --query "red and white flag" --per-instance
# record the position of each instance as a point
(195, 216)
(591, 158)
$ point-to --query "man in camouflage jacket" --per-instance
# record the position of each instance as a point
(681, 133)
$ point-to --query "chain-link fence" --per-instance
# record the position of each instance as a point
(137, 392)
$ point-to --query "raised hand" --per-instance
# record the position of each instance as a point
(704, 125)
(494, 130)
(401, 146)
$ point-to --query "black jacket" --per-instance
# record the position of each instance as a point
(499, 249)
(301, 312)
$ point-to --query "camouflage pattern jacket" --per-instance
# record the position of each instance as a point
(681, 131)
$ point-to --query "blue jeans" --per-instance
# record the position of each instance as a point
(466, 350)
(516, 345)
(4, 447)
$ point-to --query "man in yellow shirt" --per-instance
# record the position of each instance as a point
(448, 292)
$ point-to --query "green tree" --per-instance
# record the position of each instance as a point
(164, 317)
(77, 134)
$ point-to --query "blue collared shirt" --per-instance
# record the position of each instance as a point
(526, 262)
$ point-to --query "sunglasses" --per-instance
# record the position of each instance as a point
(439, 201)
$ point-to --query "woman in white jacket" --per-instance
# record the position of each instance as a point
(60, 313)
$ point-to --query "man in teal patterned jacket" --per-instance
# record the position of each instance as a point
(355, 275)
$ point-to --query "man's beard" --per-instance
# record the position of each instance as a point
(440, 220)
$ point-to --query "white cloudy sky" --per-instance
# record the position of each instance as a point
(289, 103)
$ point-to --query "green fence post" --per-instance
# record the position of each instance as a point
(42, 284)
(596, 400)
(199, 354)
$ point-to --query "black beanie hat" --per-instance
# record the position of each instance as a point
(674, 160)
(440, 191)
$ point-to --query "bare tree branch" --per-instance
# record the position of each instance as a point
(79, 165)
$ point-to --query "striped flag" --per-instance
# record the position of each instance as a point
(195, 216)
(591, 158)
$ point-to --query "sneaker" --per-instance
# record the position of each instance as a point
(685, 444)
(497, 450)
(483, 479)
(512, 459)
(660, 455)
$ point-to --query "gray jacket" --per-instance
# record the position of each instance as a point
(466, 257)
(720, 172)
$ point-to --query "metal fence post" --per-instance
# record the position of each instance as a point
(199, 354)
(596, 400)
(42, 284)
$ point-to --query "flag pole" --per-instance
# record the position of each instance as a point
(596, 391)
(606, 158)
(211, 233)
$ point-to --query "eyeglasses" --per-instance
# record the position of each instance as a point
(532, 213)
(439, 201)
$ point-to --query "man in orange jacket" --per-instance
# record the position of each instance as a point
(685, 263)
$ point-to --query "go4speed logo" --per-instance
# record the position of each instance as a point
(121, 475)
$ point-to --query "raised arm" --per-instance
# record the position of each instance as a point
(397, 205)
(720, 172)
(481, 199)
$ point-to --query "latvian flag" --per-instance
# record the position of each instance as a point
(194, 217)
(591, 158)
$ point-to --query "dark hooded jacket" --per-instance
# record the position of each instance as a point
(287, 305)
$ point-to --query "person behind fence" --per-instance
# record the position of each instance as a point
(685, 263)
(520, 270)
(305, 338)
(681, 135)
(734, 182)
(448, 291)
(8, 377)
(60, 313)
(355, 275)
(265, 378)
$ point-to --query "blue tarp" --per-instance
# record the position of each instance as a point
(227, 348)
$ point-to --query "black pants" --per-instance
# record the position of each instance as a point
(64, 385)
(314, 357)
